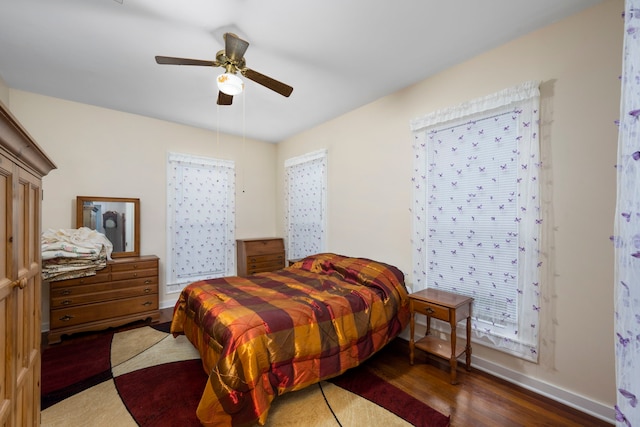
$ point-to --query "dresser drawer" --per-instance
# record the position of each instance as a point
(65, 317)
(101, 287)
(100, 276)
(138, 265)
(265, 266)
(265, 246)
(133, 274)
(271, 258)
(433, 310)
(97, 293)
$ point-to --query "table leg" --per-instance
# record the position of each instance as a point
(468, 349)
(412, 324)
(453, 362)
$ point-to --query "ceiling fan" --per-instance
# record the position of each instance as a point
(232, 60)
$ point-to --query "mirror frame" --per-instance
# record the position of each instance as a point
(81, 200)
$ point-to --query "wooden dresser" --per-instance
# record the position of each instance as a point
(258, 255)
(124, 291)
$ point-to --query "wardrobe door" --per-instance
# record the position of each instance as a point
(20, 295)
(7, 295)
(28, 297)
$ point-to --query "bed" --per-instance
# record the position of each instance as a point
(270, 333)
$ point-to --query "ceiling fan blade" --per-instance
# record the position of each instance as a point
(185, 61)
(274, 85)
(224, 99)
(234, 47)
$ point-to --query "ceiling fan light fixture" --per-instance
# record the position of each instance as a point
(230, 84)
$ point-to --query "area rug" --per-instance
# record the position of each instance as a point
(146, 377)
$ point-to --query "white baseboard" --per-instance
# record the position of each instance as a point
(573, 400)
(583, 404)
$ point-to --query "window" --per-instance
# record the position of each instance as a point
(477, 214)
(200, 218)
(305, 204)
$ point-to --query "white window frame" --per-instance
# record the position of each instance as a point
(200, 234)
(305, 194)
(447, 254)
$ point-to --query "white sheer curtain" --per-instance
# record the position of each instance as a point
(305, 204)
(627, 228)
(476, 212)
(200, 219)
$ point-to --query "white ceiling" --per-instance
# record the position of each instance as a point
(337, 54)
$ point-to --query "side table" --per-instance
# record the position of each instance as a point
(448, 307)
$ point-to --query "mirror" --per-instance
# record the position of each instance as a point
(115, 217)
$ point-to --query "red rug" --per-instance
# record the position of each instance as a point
(167, 394)
(373, 388)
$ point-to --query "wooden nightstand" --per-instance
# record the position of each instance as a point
(447, 307)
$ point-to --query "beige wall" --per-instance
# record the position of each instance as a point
(4, 92)
(101, 152)
(578, 61)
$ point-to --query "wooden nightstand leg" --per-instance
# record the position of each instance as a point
(468, 349)
(412, 324)
(453, 361)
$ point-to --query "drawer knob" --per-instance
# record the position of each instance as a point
(66, 318)
(146, 282)
(147, 303)
(66, 292)
(147, 290)
(66, 302)
(430, 310)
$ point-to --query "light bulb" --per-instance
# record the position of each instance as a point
(230, 84)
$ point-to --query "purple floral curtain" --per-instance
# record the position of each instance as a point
(627, 228)
(477, 212)
(305, 204)
(200, 219)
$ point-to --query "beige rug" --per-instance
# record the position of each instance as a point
(321, 405)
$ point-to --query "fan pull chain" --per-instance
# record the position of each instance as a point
(217, 130)
(244, 157)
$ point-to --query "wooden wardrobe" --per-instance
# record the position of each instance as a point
(22, 166)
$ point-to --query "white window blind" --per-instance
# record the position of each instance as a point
(477, 214)
(305, 204)
(200, 218)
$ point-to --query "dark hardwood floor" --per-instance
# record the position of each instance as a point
(477, 400)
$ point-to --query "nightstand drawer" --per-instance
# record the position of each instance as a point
(433, 310)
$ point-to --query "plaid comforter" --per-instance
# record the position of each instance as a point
(270, 333)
